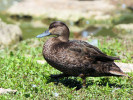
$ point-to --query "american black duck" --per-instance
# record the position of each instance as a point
(76, 57)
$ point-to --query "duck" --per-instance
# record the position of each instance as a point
(76, 57)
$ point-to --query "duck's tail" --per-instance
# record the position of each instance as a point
(118, 73)
(115, 70)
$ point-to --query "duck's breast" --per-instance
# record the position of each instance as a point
(62, 58)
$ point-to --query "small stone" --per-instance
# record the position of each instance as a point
(4, 91)
(56, 94)
(115, 89)
(34, 85)
(41, 61)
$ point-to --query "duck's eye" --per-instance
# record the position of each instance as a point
(54, 26)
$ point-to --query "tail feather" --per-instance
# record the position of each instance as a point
(118, 73)
(114, 58)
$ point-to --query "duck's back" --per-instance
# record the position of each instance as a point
(76, 57)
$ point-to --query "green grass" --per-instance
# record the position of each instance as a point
(20, 71)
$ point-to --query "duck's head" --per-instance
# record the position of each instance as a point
(59, 29)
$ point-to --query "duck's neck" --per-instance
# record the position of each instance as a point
(63, 38)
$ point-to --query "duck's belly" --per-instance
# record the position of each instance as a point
(68, 63)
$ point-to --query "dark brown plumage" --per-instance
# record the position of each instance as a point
(75, 57)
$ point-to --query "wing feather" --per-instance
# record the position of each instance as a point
(91, 51)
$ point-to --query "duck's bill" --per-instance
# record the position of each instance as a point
(46, 33)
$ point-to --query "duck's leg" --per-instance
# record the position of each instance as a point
(83, 79)
(84, 82)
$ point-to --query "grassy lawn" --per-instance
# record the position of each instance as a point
(20, 71)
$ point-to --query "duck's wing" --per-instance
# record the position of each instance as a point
(104, 66)
(84, 48)
(95, 52)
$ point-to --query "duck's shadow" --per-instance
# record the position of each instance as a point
(73, 82)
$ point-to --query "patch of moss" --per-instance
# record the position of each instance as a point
(123, 19)
(106, 32)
